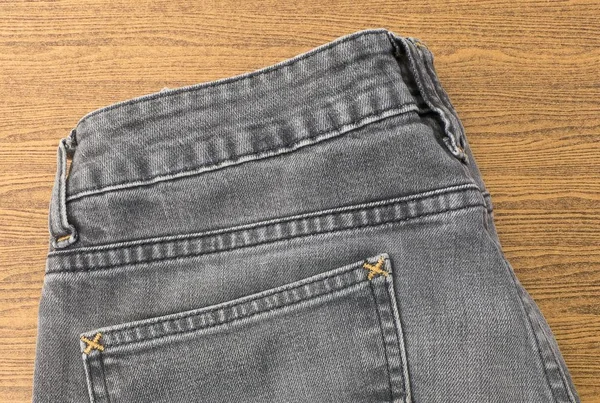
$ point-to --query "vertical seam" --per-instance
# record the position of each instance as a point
(534, 317)
(399, 334)
(537, 342)
(387, 361)
(563, 376)
(90, 380)
(527, 319)
(101, 359)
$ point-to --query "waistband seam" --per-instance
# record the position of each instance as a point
(317, 137)
(398, 210)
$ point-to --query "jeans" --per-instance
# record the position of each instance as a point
(314, 231)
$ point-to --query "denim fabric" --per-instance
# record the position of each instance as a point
(315, 231)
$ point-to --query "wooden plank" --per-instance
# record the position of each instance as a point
(523, 76)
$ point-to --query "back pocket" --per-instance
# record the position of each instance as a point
(333, 337)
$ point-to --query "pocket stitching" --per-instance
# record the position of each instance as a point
(399, 339)
(385, 347)
(385, 297)
(112, 336)
(104, 383)
(353, 278)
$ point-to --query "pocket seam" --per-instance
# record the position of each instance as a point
(353, 278)
(383, 341)
(94, 368)
(101, 359)
(89, 380)
(399, 339)
(355, 272)
(394, 350)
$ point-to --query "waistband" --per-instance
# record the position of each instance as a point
(180, 132)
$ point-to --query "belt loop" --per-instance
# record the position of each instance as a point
(62, 232)
(421, 64)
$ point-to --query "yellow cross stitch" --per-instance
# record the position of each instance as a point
(92, 344)
(375, 269)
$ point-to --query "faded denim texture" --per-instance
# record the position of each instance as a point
(315, 231)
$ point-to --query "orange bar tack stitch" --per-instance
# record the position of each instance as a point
(375, 269)
(92, 344)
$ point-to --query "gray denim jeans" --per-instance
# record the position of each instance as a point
(315, 231)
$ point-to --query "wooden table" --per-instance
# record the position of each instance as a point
(523, 75)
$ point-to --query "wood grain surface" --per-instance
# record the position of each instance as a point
(523, 75)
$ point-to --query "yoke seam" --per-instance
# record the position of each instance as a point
(315, 214)
(317, 137)
(270, 241)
